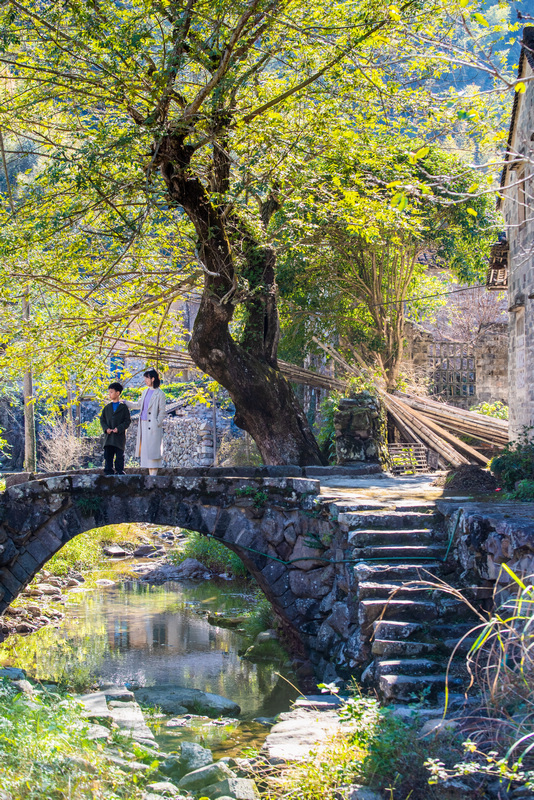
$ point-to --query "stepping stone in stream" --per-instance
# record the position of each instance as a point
(130, 719)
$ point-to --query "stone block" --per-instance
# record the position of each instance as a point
(9, 582)
(314, 584)
(205, 776)
(304, 556)
(7, 552)
(238, 788)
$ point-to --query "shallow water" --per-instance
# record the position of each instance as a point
(148, 635)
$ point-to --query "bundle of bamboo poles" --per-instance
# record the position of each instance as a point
(433, 424)
(486, 429)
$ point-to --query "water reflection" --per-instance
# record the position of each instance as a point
(151, 635)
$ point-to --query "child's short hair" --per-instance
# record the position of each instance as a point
(117, 386)
(151, 373)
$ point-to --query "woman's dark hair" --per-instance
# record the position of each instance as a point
(151, 373)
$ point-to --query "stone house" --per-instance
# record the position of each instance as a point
(461, 373)
(512, 259)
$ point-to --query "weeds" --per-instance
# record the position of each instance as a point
(259, 498)
(211, 553)
(45, 751)
(84, 552)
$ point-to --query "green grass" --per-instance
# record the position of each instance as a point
(45, 753)
(211, 553)
(84, 552)
(380, 750)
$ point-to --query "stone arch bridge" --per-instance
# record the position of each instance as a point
(287, 537)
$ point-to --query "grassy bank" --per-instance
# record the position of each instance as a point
(46, 753)
(84, 552)
(215, 556)
(379, 750)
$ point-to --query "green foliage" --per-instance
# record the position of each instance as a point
(281, 88)
(326, 436)
(84, 552)
(93, 429)
(209, 551)
(384, 751)
(497, 409)
(516, 462)
(524, 490)
(261, 618)
(45, 751)
(88, 505)
(502, 664)
(190, 392)
(259, 497)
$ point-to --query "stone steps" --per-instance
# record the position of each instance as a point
(396, 610)
(396, 572)
(362, 538)
(398, 591)
(411, 630)
(395, 520)
(407, 666)
(401, 553)
(412, 688)
(386, 648)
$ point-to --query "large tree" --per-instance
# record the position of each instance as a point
(171, 131)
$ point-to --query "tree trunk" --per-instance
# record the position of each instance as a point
(266, 406)
(30, 444)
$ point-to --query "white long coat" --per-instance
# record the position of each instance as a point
(156, 415)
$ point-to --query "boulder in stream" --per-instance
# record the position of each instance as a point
(114, 551)
(237, 788)
(192, 757)
(177, 700)
(205, 776)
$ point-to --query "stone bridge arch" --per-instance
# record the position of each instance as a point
(276, 525)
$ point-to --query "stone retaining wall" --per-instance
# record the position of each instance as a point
(490, 535)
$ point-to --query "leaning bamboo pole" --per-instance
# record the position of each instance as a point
(435, 442)
(488, 429)
(462, 447)
(178, 359)
(416, 425)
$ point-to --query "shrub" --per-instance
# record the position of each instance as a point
(326, 436)
(497, 409)
(210, 552)
(45, 751)
(238, 451)
(516, 462)
(501, 661)
(61, 448)
(261, 619)
(84, 552)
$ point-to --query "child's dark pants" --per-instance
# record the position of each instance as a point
(111, 452)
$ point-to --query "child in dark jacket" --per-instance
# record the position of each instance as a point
(115, 419)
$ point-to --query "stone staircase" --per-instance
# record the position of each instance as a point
(408, 630)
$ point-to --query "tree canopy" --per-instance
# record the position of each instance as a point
(164, 138)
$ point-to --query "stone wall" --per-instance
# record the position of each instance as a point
(491, 365)
(490, 354)
(359, 430)
(488, 536)
(187, 441)
(518, 210)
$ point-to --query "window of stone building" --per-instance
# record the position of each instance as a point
(521, 200)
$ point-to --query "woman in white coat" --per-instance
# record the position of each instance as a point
(150, 430)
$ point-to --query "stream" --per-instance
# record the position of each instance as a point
(144, 635)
